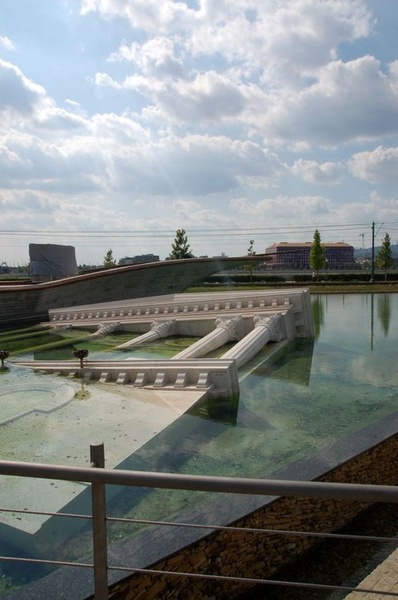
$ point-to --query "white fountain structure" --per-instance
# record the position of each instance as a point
(250, 320)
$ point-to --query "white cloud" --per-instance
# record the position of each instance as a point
(53, 212)
(54, 118)
(191, 166)
(117, 132)
(310, 208)
(327, 173)
(208, 97)
(115, 152)
(32, 163)
(282, 213)
(105, 80)
(378, 166)
(386, 208)
(280, 39)
(188, 113)
(278, 74)
(19, 95)
(150, 15)
(6, 43)
(155, 58)
(266, 35)
(350, 101)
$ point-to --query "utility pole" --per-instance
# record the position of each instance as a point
(362, 235)
(372, 277)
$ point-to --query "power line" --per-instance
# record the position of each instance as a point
(193, 230)
(230, 239)
(205, 233)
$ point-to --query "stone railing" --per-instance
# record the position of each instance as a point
(215, 377)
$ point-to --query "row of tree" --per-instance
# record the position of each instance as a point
(384, 259)
(180, 248)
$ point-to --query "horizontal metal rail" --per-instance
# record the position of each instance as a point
(209, 526)
(220, 578)
(229, 485)
(290, 532)
(99, 477)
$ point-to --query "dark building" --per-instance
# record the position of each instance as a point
(51, 261)
(296, 255)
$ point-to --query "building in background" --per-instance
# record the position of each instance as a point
(296, 255)
(136, 260)
(51, 261)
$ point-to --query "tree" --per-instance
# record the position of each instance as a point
(317, 254)
(109, 260)
(384, 258)
(180, 247)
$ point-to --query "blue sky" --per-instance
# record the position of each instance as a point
(236, 120)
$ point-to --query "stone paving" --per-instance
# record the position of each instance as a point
(384, 578)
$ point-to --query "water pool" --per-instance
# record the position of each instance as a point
(315, 393)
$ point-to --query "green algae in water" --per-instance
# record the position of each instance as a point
(311, 396)
(314, 394)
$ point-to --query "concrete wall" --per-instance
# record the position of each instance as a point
(260, 555)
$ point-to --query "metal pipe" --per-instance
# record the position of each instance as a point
(98, 504)
(238, 485)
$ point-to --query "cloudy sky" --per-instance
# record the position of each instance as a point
(122, 121)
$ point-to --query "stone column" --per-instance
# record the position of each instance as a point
(227, 329)
(159, 329)
(267, 328)
(105, 329)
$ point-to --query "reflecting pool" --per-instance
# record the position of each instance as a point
(313, 394)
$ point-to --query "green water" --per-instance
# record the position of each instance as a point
(315, 393)
(318, 392)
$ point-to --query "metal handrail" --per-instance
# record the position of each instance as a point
(230, 485)
(98, 477)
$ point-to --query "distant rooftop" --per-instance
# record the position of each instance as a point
(306, 244)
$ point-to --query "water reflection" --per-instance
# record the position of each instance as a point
(293, 366)
(372, 320)
(222, 410)
(356, 312)
(319, 313)
(384, 311)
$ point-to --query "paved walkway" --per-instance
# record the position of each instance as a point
(384, 579)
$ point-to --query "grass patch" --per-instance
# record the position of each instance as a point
(314, 288)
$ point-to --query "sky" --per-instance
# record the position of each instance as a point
(122, 121)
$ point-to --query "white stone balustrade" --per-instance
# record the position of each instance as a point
(216, 377)
(159, 329)
(227, 329)
(266, 328)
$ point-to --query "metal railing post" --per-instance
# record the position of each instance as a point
(98, 503)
